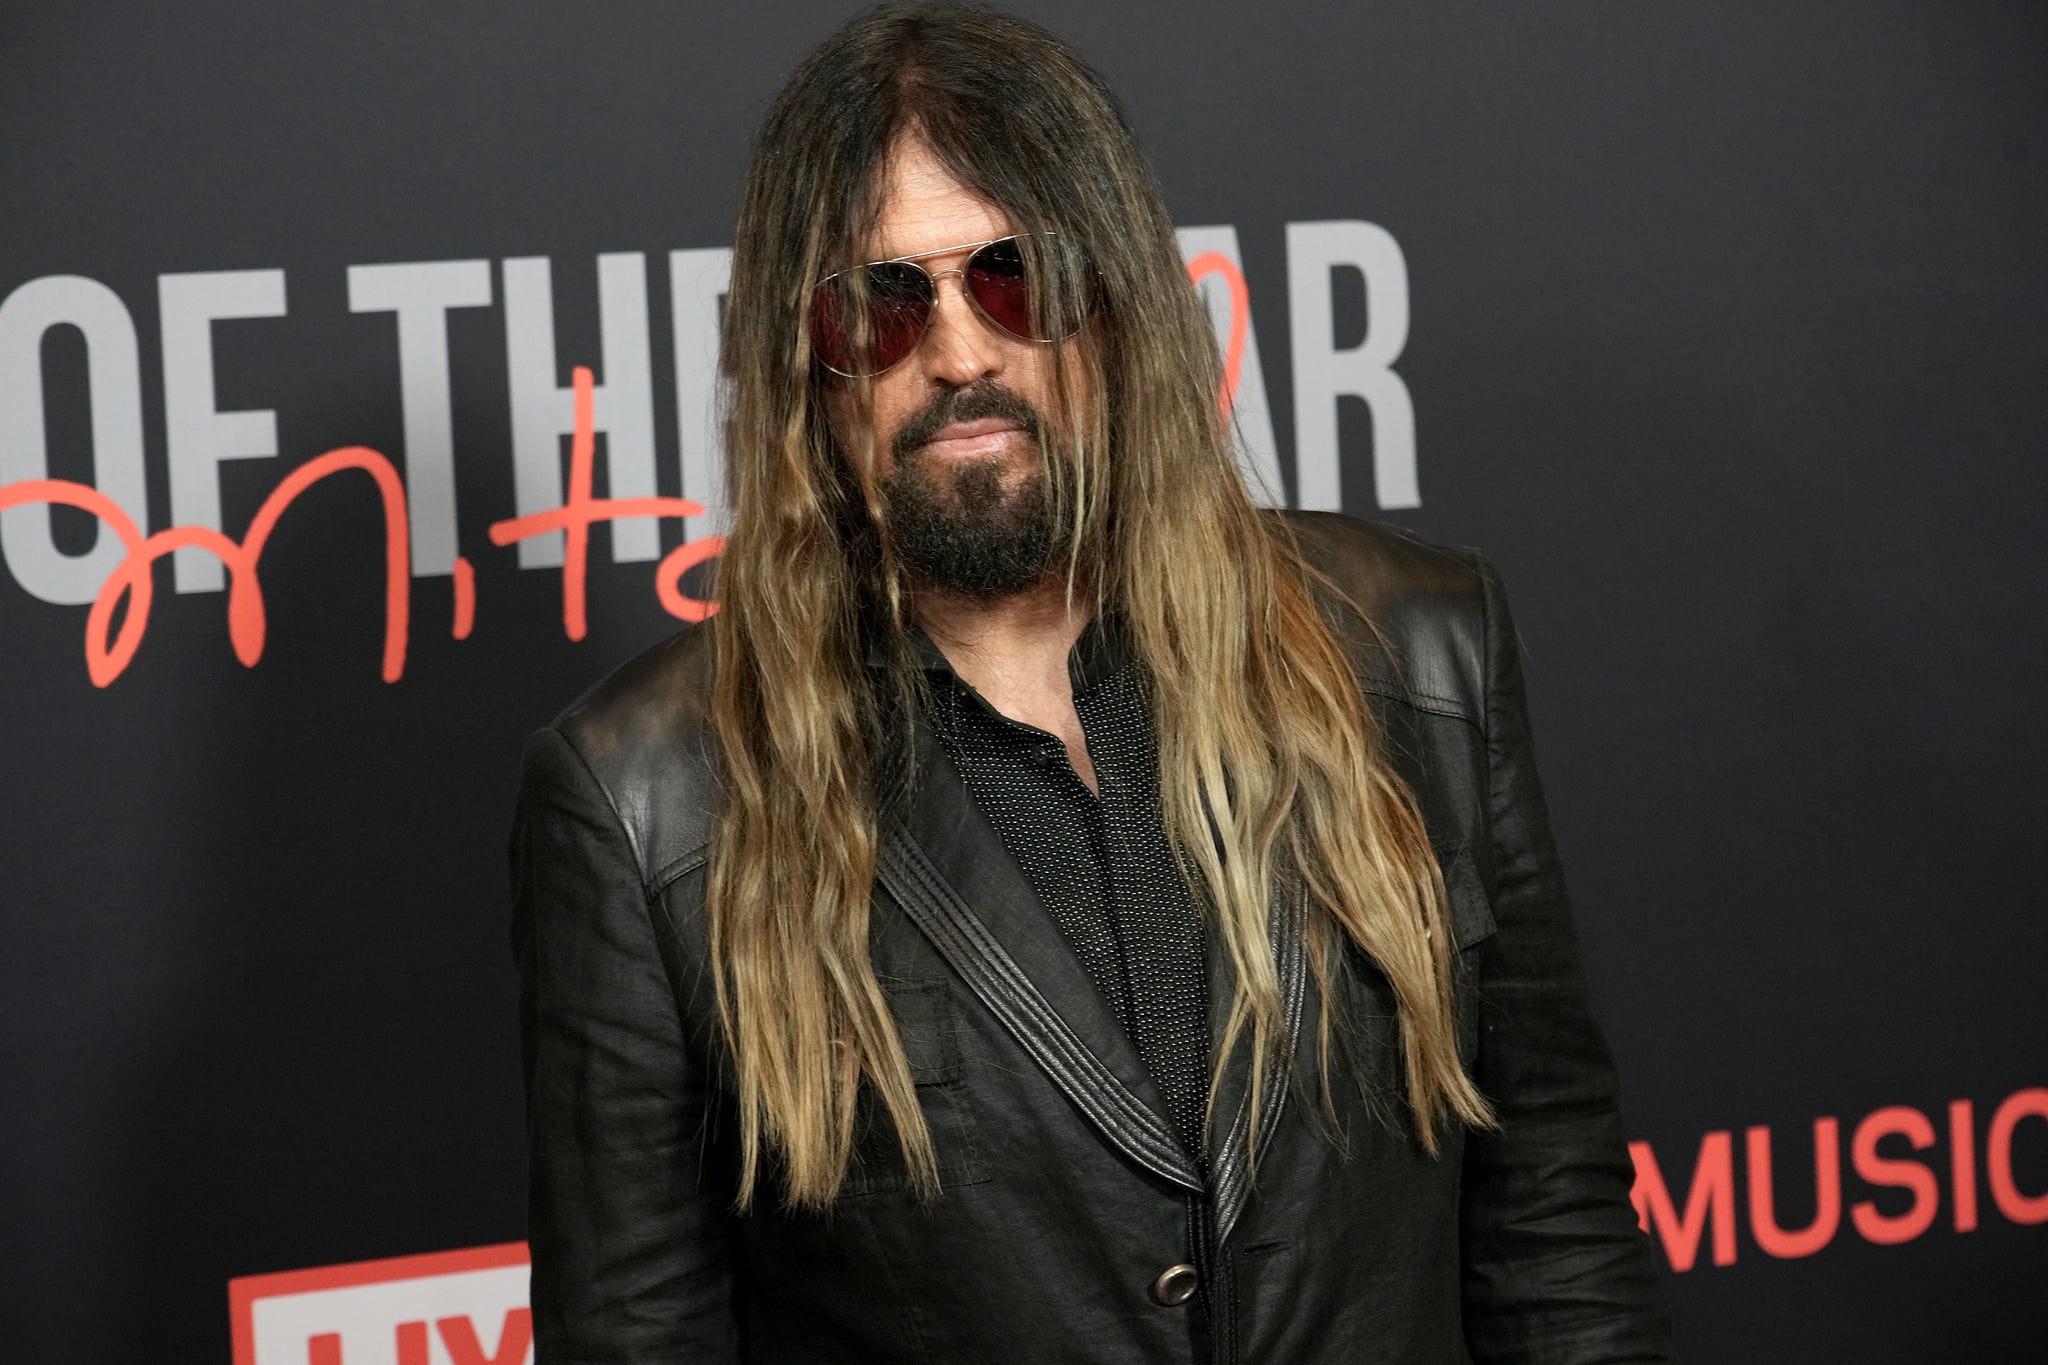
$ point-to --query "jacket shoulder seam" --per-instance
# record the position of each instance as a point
(611, 804)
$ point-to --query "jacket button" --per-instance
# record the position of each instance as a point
(1175, 1286)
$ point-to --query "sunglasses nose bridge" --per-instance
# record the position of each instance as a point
(958, 273)
(966, 294)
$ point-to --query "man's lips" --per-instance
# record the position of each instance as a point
(987, 436)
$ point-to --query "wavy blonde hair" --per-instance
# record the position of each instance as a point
(1268, 757)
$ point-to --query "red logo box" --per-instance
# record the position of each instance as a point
(445, 1308)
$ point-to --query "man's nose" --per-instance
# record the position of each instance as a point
(960, 346)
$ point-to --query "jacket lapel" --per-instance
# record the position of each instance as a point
(947, 868)
(1232, 1158)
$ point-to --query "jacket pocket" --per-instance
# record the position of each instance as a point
(1471, 908)
(926, 1024)
(1472, 924)
(1371, 999)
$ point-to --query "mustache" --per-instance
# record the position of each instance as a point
(971, 403)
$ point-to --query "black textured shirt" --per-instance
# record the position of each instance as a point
(1101, 866)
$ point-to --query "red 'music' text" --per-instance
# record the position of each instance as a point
(1903, 1189)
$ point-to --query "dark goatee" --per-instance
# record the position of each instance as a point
(957, 529)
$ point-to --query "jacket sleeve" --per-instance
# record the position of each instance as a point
(627, 1217)
(1556, 1269)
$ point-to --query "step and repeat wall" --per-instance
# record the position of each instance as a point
(1721, 329)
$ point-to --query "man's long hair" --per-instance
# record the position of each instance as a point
(1268, 759)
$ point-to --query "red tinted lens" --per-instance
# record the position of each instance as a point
(996, 277)
(829, 341)
(1000, 282)
(898, 306)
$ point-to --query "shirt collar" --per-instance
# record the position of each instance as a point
(1099, 655)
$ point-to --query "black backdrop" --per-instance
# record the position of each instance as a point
(1726, 341)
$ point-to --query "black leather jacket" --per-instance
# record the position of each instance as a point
(1066, 1192)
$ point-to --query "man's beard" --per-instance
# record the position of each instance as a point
(956, 528)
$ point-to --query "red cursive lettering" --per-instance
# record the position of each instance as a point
(575, 517)
(131, 584)
(131, 578)
(1216, 263)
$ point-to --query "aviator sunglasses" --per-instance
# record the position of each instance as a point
(902, 295)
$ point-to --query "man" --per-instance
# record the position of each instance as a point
(1054, 911)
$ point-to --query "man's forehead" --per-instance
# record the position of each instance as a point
(924, 207)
